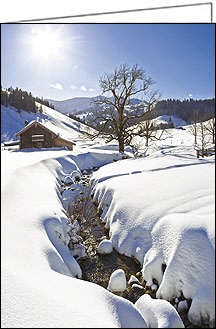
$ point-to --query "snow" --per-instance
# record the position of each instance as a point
(154, 287)
(182, 305)
(158, 209)
(74, 105)
(177, 122)
(189, 246)
(135, 285)
(158, 313)
(133, 279)
(52, 119)
(105, 247)
(117, 281)
(38, 270)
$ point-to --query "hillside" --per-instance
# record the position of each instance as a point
(13, 120)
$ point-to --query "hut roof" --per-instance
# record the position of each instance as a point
(47, 125)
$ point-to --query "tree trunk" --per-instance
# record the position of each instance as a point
(121, 145)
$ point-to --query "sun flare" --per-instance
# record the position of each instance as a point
(45, 42)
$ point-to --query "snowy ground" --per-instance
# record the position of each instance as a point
(158, 208)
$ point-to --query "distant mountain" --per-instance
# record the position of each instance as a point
(72, 105)
(79, 104)
(186, 109)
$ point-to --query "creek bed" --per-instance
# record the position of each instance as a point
(97, 268)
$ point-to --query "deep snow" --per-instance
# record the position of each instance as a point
(158, 208)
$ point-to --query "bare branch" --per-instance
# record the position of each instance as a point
(114, 117)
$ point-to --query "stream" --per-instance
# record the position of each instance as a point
(97, 268)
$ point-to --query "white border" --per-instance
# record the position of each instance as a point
(136, 11)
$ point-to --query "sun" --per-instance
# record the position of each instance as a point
(45, 42)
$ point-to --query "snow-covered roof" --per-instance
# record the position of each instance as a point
(47, 125)
(32, 123)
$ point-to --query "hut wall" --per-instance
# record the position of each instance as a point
(58, 142)
(26, 138)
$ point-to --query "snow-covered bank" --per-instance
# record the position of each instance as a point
(160, 209)
(39, 288)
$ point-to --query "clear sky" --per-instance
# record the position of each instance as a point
(62, 61)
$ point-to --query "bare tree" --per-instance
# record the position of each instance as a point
(203, 139)
(113, 117)
(203, 130)
(149, 130)
(210, 127)
(194, 128)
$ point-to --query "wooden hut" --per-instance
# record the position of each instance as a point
(38, 135)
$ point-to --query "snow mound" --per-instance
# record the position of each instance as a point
(158, 313)
(117, 281)
(182, 305)
(105, 247)
(188, 246)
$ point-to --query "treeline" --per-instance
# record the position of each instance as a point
(22, 100)
(44, 102)
(205, 109)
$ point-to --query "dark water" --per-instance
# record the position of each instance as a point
(97, 268)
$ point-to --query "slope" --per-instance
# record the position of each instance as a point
(12, 121)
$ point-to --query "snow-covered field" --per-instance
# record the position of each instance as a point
(158, 208)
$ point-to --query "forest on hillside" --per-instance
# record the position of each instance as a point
(189, 109)
(22, 100)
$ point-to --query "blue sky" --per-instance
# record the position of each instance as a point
(62, 61)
